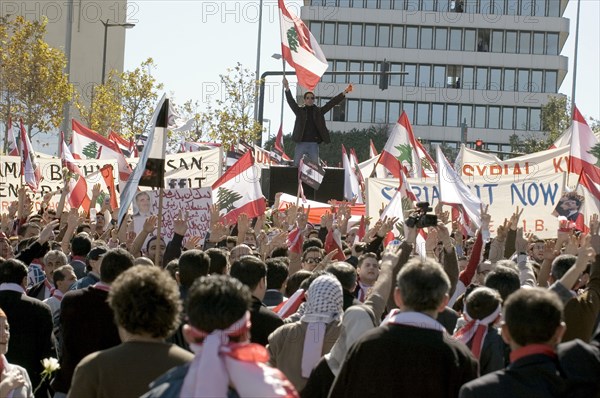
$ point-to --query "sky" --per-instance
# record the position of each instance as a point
(192, 42)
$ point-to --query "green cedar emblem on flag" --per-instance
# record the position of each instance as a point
(292, 37)
(405, 153)
(227, 198)
(91, 150)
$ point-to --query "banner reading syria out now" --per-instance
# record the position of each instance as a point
(539, 197)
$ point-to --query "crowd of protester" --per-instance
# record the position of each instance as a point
(268, 307)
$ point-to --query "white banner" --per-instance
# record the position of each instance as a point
(538, 196)
(52, 177)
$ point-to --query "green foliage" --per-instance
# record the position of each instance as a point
(332, 153)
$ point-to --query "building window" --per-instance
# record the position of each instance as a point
(468, 79)
(466, 115)
(371, 4)
(385, 4)
(536, 81)
(507, 118)
(352, 113)
(485, 6)
(409, 108)
(370, 33)
(453, 76)
(512, 7)
(550, 83)
(521, 122)
(366, 109)
(535, 119)
(398, 4)
(498, 7)
(424, 75)
(397, 35)
(441, 36)
(342, 34)
(329, 33)
(326, 77)
(495, 79)
(410, 79)
(538, 43)
(437, 114)
(412, 33)
(412, 5)
(540, 8)
(383, 40)
(369, 67)
(469, 39)
(509, 80)
(356, 39)
(511, 42)
(380, 112)
(439, 76)
(470, 6)
(482, 78)
(483, 40)
(524, 42)
(480, 117)
(553, 8)
(355, 67)
(552, 44)
(340, 66)
(339, 112)
(526, 6)
(393, 111)
(452, 115)
(394, 80)
(426, 37)
(456, 39)
(523, 83)
(494, 117)
(427, 5)
(422, 114)
(344, 3)
(315, 29)
(497, 41)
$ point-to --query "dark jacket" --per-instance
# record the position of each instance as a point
(264, 322)
(574, 373)
(318, 114)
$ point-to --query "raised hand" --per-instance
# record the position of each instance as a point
(514, 219)
(150, 224)
(180, 223)
(550, 252)
(47, 232)
(192, 243)
(486, 218)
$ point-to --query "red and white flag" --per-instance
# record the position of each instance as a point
(591, 201)
(581, 161)
(453, 191)
(333, 241)
(127, 146)
(379, 169)
(12, 147)
(351, 188)
(564, 139)
(359, 177)
(88, 144)
(300, 49)
(238, 190)
(66, 156)
(80, 193)
(295, 240)
(403, 150)
(29, 166)
(278, 147)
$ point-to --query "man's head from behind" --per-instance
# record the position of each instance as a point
(422, 286)
(482, 302)
(345, 274)
(114, 263)
(533, 316)
(503, 279)
(192, 265)
(560, 266)
(145, 301)
(81, 245)
(252, 272)
(215, 302)
(13, 271)
(277, 273)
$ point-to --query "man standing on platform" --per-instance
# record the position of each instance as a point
(310, 129)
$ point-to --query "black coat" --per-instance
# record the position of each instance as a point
(318, 114)
(574, 373)
(264, 322)
(30, 323)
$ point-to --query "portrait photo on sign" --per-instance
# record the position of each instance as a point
(569, 206)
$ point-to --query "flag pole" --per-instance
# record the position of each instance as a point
(159, 226)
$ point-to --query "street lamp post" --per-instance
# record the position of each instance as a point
(106, 26)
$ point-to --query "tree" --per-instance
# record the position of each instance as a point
(231, 118)
(32, 79)
(105, 110)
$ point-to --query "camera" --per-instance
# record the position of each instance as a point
(420, 218)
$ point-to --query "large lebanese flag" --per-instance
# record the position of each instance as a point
(278, 147)
(351, 188)
(403, 151)
(300, 49)
(238, 190)
(80, 192)
(88, 144)
(12, 147)
(581, 161)
(66, 156)
(29, 166)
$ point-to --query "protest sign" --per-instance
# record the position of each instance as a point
(538, 196)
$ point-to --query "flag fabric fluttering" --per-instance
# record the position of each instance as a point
(311, 173)
(238, 191)
(379, 169)
(126, 146)
(197, 146)
(66, 156)
(359, 177)
(29, 166)
(13, 148)
(278, 148)
(403, 150)
(581, 160)
(300, 49)
(351, 190)
(453, 191)
(80, 192)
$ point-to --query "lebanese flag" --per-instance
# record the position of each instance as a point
(300, 49)
(403, 151)
(379, 169)
(125, 145)
(591, 201)
(238, 190)
(80, 194)
(453, 191)
(295, 240)
(581, 161)
(66, 156)
(29, 166)
(88, 144)
(564, 139)
(402, 202)
(351, 189)
(359, 177)
(12, 147)
(333, 241)
(278, 147)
